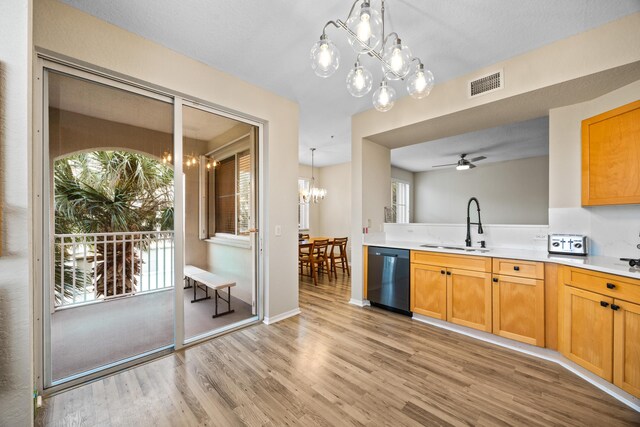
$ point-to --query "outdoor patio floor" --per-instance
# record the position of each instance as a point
(90, 336)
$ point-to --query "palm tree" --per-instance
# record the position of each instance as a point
(111, 192)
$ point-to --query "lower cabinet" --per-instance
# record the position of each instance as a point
(518, 309)
(626, 346)
(455, 288)
(429, 291)
(469, 298)
(588, 330)
(599, 330)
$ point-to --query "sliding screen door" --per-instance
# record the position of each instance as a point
(109, 291)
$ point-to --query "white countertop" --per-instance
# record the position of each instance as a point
(596, 263)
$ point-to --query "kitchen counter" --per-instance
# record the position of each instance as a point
(597, 263)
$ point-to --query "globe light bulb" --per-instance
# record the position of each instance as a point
(384, 98)
(419, 84)
(366, 29)
(325, 57)
(398, 59)
(359, 81)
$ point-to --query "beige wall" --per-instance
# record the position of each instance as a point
(560, 73)
(110, 48)
(16, 361)
(72, 132)
(613, 230)
(565, 143)
(511, 192)
(335, 210)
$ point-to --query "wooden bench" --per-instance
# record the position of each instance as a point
(196, 277)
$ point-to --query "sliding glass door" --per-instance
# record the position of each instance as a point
(147, 244)
(220, 155)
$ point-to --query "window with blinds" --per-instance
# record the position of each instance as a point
(230, 190)
(225, 195)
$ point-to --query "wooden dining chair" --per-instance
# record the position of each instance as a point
(320, 259)
(339, 258)
(304, 257)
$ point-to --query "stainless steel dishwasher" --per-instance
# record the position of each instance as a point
(388, 274)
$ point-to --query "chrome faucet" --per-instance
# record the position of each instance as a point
(467, 241)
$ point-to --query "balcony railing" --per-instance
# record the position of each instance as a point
(96, 267)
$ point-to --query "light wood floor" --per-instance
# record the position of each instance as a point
(337, 364)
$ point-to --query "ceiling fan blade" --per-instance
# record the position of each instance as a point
(448, 164)
(471, 166)
(477, 159)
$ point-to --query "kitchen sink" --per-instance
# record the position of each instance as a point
(455, 248)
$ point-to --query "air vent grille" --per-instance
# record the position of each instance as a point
(489, 83)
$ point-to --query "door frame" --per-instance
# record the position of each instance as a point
(41, 213)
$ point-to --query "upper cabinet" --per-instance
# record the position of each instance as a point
(611, 157)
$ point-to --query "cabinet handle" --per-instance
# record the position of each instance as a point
(604, 304)
(611, 286)
(495, 279)
(516, 268)
(448, 273)
(442, 271)
(615, 307)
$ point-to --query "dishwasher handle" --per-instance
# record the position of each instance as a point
(387, 255)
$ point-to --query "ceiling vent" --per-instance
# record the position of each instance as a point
(486, 84)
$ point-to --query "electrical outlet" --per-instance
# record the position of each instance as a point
(540, 237)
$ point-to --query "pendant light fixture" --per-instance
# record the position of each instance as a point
(366, 35)
(312, 194)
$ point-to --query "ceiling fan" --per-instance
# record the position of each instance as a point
(463, 163)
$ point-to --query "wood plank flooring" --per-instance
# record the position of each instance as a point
(337, 364)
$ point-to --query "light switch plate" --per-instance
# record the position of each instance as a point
(278, 230)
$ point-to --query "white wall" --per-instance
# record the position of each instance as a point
(409, 177)
(613, 230)
(510, 192)
(16, 362)
(73, 34)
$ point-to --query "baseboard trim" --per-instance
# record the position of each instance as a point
(542, 353)
(282, 316)
(359, 302)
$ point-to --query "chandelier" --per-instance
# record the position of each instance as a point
(189, 160)
(312, 194)
(366, 35)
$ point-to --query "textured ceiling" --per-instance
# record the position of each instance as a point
(514, 141)
(267, 43)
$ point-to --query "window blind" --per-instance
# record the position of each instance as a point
(225, 196)
(244, 191)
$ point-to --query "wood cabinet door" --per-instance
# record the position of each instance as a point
(518, 309)
(469, 299)
(611, 157)
(588, 330)
(626, 347)
(429, 290)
